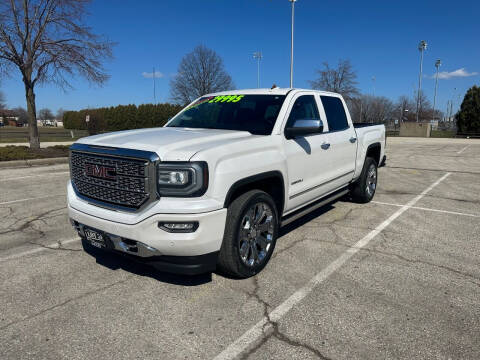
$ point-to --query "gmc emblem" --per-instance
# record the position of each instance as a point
(101, 171)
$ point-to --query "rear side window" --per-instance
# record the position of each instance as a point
(336, 117)
(304, 108)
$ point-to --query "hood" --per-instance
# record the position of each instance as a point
(170, 143)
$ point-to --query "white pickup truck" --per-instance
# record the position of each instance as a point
(211, 188)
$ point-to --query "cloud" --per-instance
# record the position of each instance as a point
(150, 75)
(454, 74)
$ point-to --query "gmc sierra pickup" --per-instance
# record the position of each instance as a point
(211, 188)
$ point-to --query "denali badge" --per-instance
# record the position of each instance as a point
(101, 171)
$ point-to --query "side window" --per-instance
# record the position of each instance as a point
(336, 117)
(304, 108)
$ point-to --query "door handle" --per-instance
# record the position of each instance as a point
(353, 139)
(325, 146)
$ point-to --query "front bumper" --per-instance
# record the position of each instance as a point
(207, 238)
(186, 265)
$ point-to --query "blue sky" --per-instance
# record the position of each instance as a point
(379, 37)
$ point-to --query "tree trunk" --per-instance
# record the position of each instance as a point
(32, 117)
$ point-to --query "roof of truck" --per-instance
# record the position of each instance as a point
(274, 91)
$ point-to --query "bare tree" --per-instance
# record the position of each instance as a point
(47, 41)
(342, 79)
(59, 116)
(45, 114)
(425, 111)
(22, 115)
(200, 72)
(405, 109)
(371, 109)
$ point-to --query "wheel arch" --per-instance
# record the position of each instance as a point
(271, 182)
(374, 151)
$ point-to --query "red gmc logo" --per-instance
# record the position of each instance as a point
(100, 171)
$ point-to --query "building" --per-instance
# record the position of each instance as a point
(8, 118)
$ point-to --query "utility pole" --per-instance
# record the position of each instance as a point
(258, 55)
(437, 65)
(373, 80)
(154, 90)
(422, 46)
(291, 48)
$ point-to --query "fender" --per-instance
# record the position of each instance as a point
(253, 179)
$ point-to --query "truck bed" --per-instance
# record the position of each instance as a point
(360, 125)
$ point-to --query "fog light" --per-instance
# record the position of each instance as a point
(178, 227)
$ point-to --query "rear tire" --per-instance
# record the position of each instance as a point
(363, 189)
(251, 232)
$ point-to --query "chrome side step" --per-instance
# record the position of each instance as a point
(311, 207)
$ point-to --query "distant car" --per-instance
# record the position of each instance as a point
(213, 186)
(2, 124)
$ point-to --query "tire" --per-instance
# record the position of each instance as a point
(249, 239)
(363, 190)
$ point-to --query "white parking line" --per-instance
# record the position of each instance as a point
(254, 333)
(29, 199)
(39, 249)
(459, 152)
(428, 209)
(35, 176)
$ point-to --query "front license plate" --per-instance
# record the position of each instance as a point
(94, 237)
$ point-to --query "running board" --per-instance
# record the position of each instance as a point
(311, 207)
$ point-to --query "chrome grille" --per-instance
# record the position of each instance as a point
(129, 187)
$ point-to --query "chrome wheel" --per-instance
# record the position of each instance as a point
(371, 180)
(256, 234)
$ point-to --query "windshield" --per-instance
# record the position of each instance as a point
(253, 113)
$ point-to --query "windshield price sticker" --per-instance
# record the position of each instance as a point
(227, 98)
(216, 99)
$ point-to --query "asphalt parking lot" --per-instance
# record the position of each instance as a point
(395, 278)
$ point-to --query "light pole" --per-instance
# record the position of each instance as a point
(258, 55)
(422, 46)
(437, 65)
(373, 80)
(291, 49)
(154, 90)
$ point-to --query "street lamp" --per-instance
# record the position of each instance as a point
(422, 46)
(438, 63)
(258, 55)
(291, 54)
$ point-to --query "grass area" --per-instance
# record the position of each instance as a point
(12, 152)
(10, 134)
(443, 134)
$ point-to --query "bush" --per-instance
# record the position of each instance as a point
(13, 152)
(121, 117)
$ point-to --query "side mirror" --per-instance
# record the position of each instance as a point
(304, 127)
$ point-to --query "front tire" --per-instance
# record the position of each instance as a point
(364, 188)
(250, 234)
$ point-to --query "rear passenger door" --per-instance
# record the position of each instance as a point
(342, 139)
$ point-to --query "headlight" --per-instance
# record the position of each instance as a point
(182, 179)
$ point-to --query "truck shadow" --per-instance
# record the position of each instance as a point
(115, 261)
(284, 230)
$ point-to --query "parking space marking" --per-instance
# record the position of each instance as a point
(253, 334)
(53, 246)
(39, 175)
(427, 209)
(459, 152)
(29, 199)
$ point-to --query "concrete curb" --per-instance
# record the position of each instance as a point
(32, 162)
